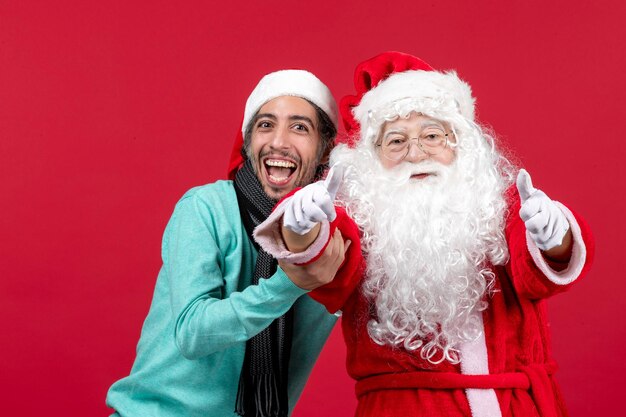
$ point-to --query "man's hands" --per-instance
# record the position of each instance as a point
(322, 270)
(303, 214)
(545, 222)
(313, 203)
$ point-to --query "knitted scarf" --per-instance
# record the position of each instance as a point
(262, 388)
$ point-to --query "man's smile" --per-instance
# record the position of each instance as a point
(279, 171)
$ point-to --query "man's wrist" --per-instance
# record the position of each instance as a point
(295, 242)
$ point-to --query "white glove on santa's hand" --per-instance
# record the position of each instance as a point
(313, 203)
(545, 222)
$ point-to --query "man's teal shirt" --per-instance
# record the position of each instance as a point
(204, 310)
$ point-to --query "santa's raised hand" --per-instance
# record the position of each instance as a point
(545, 222)
(313, 203)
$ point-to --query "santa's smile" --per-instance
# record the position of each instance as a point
(422, 175)
(279, 171)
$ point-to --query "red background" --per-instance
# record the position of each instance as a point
(110, 111)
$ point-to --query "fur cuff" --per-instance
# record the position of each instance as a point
(268, 236)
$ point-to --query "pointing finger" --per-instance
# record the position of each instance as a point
(524, 185)
(333, 180)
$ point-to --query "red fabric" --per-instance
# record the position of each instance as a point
(440, 380)
(236, 159)
(537, 378)
(334, 294)
(516, 332)
(368, 74)
(522, 263)
(352, 267)
(542, 391)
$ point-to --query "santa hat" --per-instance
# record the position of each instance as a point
(296, 83)
(394, 84)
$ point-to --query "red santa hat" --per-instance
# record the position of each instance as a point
(296, 83)
(393, 84)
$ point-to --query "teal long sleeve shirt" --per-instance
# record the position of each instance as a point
(203, 311)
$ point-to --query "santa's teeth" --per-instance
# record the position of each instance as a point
(279, 163)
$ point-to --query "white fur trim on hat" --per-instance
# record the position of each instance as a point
(297, 83)
(437, 94)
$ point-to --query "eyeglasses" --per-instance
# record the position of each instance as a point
(396, 146)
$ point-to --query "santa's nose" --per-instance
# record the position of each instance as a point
(416, 154)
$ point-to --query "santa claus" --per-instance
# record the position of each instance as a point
(443, 301)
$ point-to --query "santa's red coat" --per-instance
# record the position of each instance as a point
(509, 371)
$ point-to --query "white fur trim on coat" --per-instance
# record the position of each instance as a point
(475, 361)
(268, 236)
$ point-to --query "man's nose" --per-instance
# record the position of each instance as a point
(416, 154)
(280, 138)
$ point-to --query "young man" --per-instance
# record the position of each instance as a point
(228, 333)
(446, 316)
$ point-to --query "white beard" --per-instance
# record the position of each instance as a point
(428, 245)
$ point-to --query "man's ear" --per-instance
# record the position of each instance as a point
(322, 165)
(325, 158)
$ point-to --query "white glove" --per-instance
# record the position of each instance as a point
(545, 222)
(313, 203)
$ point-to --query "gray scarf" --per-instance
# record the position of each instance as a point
(263, 381)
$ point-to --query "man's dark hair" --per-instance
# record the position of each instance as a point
(327, 132)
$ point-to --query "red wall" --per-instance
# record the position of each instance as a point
(110, 111)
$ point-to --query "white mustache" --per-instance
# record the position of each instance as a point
(407, 170)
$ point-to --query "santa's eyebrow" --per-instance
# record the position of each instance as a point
(393, 131)
(433, 123)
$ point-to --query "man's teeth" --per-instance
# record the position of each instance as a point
(279, 170)
(279, 163)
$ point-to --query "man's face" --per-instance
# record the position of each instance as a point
(284, 145)
(407, 131)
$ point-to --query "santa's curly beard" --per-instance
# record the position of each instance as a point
(428, 244)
